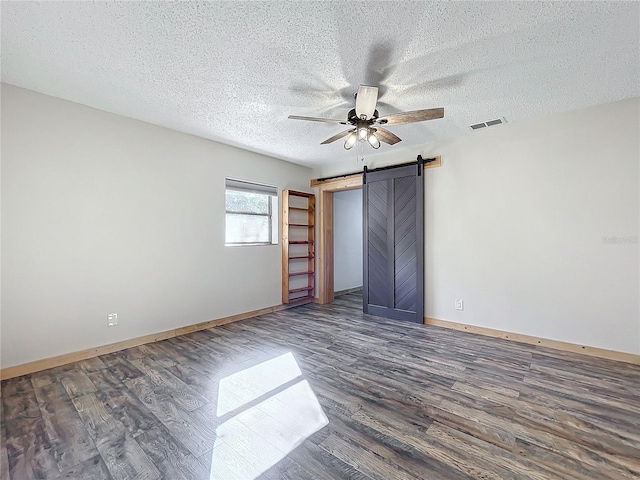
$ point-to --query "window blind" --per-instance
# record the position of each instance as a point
(253, 187)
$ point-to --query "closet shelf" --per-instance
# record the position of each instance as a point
(303, 289)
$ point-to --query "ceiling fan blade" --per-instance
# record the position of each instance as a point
(366, 100)
(411, 117)
(386, 136)
(338, 136)
(318, 119)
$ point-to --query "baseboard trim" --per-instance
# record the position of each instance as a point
(51, 362)
(347, 291)
(543, 342)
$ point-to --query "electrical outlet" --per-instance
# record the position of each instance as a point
(112, 320)
(459, 304)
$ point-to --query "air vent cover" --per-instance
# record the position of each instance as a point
(488, 123)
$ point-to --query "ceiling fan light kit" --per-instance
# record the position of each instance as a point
(365, 116)
(362, 134)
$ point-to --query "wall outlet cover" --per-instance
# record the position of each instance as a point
(459, 305)
(112, 320)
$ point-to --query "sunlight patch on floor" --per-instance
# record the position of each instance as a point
(258, 437)
(251, 383)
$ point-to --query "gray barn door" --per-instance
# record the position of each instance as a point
(393, 224)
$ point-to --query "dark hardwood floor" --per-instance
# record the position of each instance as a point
(325, 392)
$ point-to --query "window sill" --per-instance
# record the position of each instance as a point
(250, 244)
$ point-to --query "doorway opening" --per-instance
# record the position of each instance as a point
(347, 241)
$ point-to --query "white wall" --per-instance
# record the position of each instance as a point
(347, 239)
(103, 214)
(518, 221)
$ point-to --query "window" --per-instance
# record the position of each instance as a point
(252, 213)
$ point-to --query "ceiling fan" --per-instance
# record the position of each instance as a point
(366, 122)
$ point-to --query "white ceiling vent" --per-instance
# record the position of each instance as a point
(489, 123)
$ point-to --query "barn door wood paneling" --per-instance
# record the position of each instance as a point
(393, 243)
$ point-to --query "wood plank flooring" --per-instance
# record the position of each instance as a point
(325, 392)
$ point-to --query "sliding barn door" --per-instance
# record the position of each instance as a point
(393, 203)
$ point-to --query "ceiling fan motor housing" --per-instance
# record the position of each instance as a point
(352, 117)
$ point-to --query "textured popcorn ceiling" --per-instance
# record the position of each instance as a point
(233, 71)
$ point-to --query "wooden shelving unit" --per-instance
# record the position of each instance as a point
(298, 246)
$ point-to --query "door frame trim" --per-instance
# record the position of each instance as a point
(325, 231)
